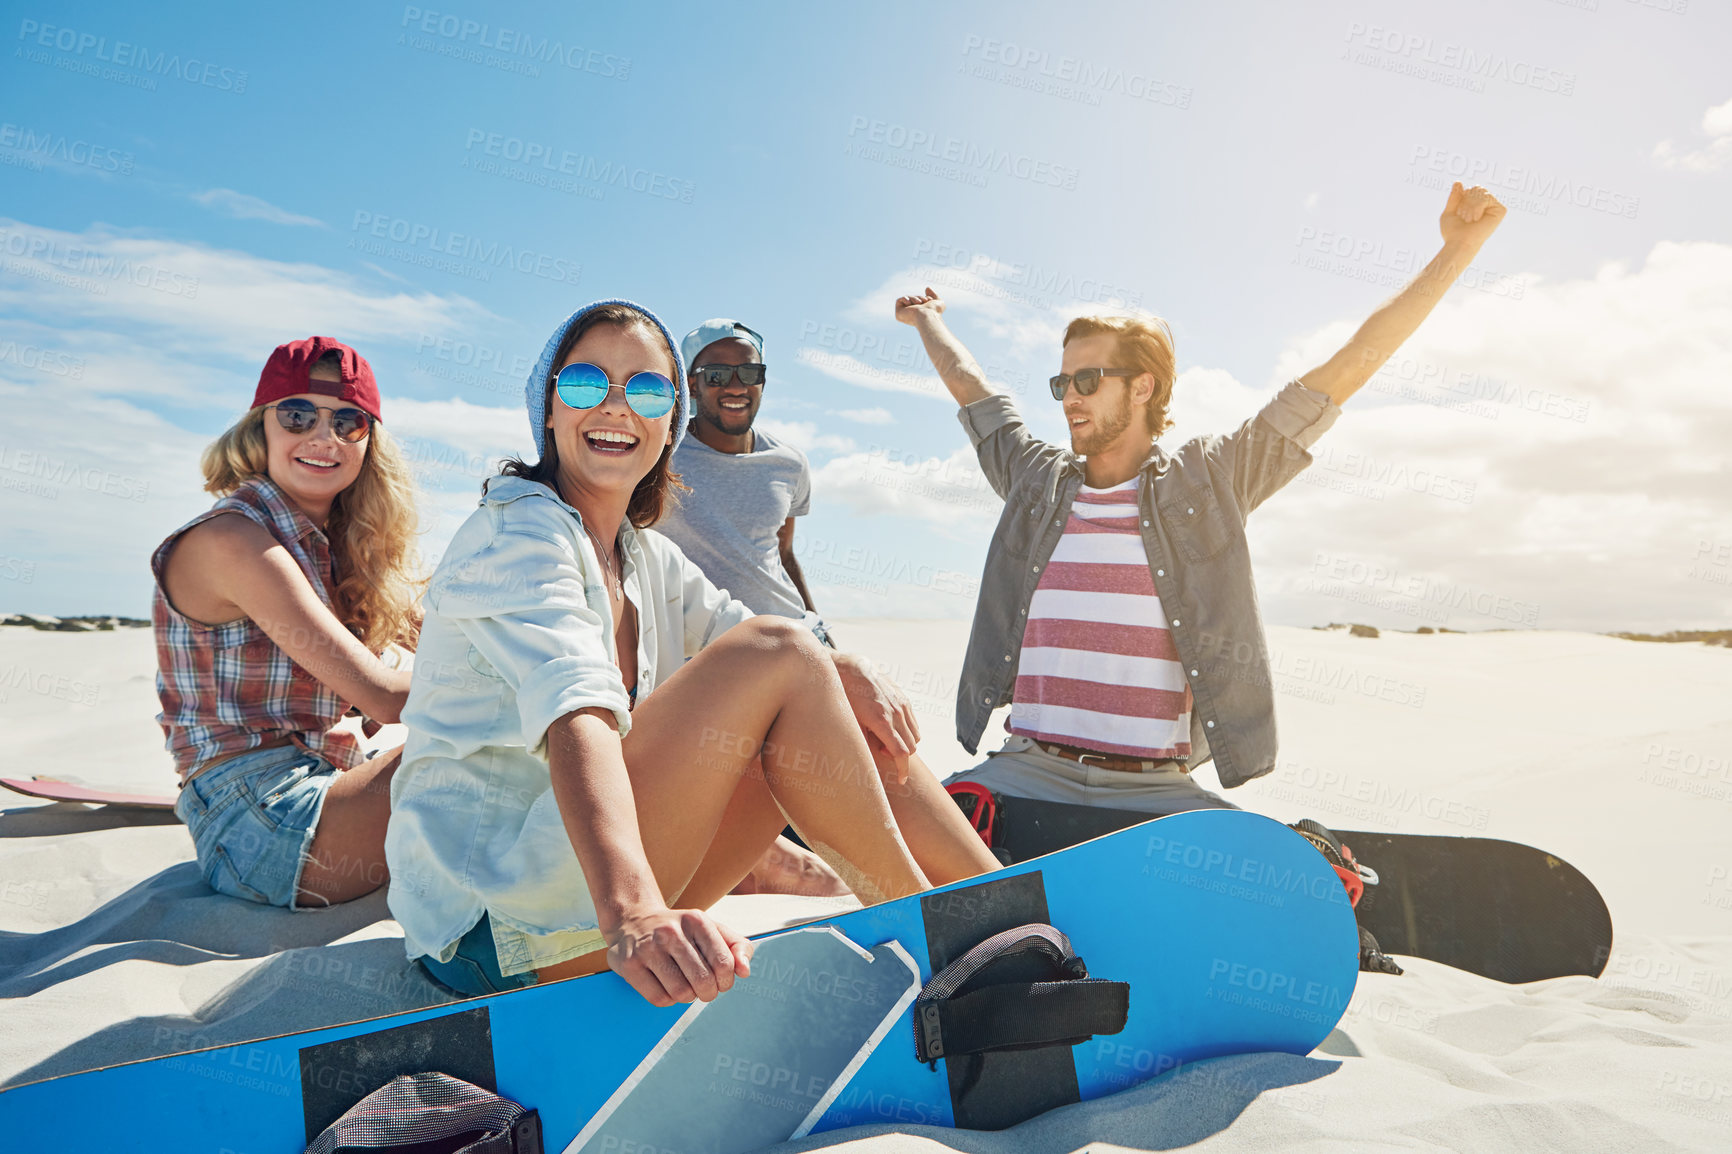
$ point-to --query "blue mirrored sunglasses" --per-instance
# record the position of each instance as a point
(583, 386)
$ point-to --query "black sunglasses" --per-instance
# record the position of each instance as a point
(716, 376)
(1087, 381)
(298, 416)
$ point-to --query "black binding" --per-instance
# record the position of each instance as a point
(962, 1011)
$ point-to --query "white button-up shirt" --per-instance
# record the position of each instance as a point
(519, 633)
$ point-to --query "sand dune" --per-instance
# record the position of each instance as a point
(1614, 754)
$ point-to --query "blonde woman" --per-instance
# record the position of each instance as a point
(271, 610)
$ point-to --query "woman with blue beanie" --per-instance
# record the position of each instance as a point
(602, 743)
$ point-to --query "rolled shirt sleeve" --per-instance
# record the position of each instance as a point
(1002, 441)
(521, 601)
(1271, 449)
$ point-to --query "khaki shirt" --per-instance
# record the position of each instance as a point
(1193, 504)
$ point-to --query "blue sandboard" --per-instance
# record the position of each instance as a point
(1232, 931)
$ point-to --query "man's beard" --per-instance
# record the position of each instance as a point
(731, 421)
(1106, 430)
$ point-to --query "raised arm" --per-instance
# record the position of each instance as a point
(956, 366)
(1468, 219)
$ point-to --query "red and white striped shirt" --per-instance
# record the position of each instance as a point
(1098, 668)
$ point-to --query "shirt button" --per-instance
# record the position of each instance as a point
(1007, 657)
(1191, 511)
(1024, 612)
(1211, 725)
(1145, 524)
(1193, 673)
(1037, 568)
(1175, 623)
(1160, 572)
(986, 701)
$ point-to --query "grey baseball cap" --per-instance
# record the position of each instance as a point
(718, 329)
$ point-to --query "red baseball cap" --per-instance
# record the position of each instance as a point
(290, 371)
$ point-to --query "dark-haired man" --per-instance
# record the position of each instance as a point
(747, 486)
(1117, 616)
(737, 524)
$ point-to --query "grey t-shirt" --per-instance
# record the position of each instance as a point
(727, 524)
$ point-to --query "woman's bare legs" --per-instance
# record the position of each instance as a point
(943, 842)
(346, 859)
(705, 817)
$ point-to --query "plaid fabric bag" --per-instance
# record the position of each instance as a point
(433, 1114)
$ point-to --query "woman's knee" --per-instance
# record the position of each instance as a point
(774, 638)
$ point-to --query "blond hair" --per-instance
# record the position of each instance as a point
(1144, 344)
(372, 528)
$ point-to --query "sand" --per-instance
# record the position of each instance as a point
(1614, 754)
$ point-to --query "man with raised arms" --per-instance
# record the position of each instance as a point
(1117, 616)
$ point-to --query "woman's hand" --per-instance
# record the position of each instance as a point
(883, 711)
(672, 956)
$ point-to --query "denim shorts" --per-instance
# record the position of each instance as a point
(474, 969)
(252, 819)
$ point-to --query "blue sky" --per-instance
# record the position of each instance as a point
(182, 189)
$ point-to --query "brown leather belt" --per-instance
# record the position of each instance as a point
(227, 757)
(1113, 761)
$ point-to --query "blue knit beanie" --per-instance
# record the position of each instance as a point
(535, 391)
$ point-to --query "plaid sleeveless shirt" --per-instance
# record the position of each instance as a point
(228, 688)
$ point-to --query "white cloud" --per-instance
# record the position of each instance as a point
(866, 416)
(947, 493)
(1566, 451)
(1717, 127)
(88, 488)
(243, 207)
(804, 436)
(1558, 459)
(884, 378)
(188, 302)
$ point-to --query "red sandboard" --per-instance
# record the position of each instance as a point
(53, 789)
